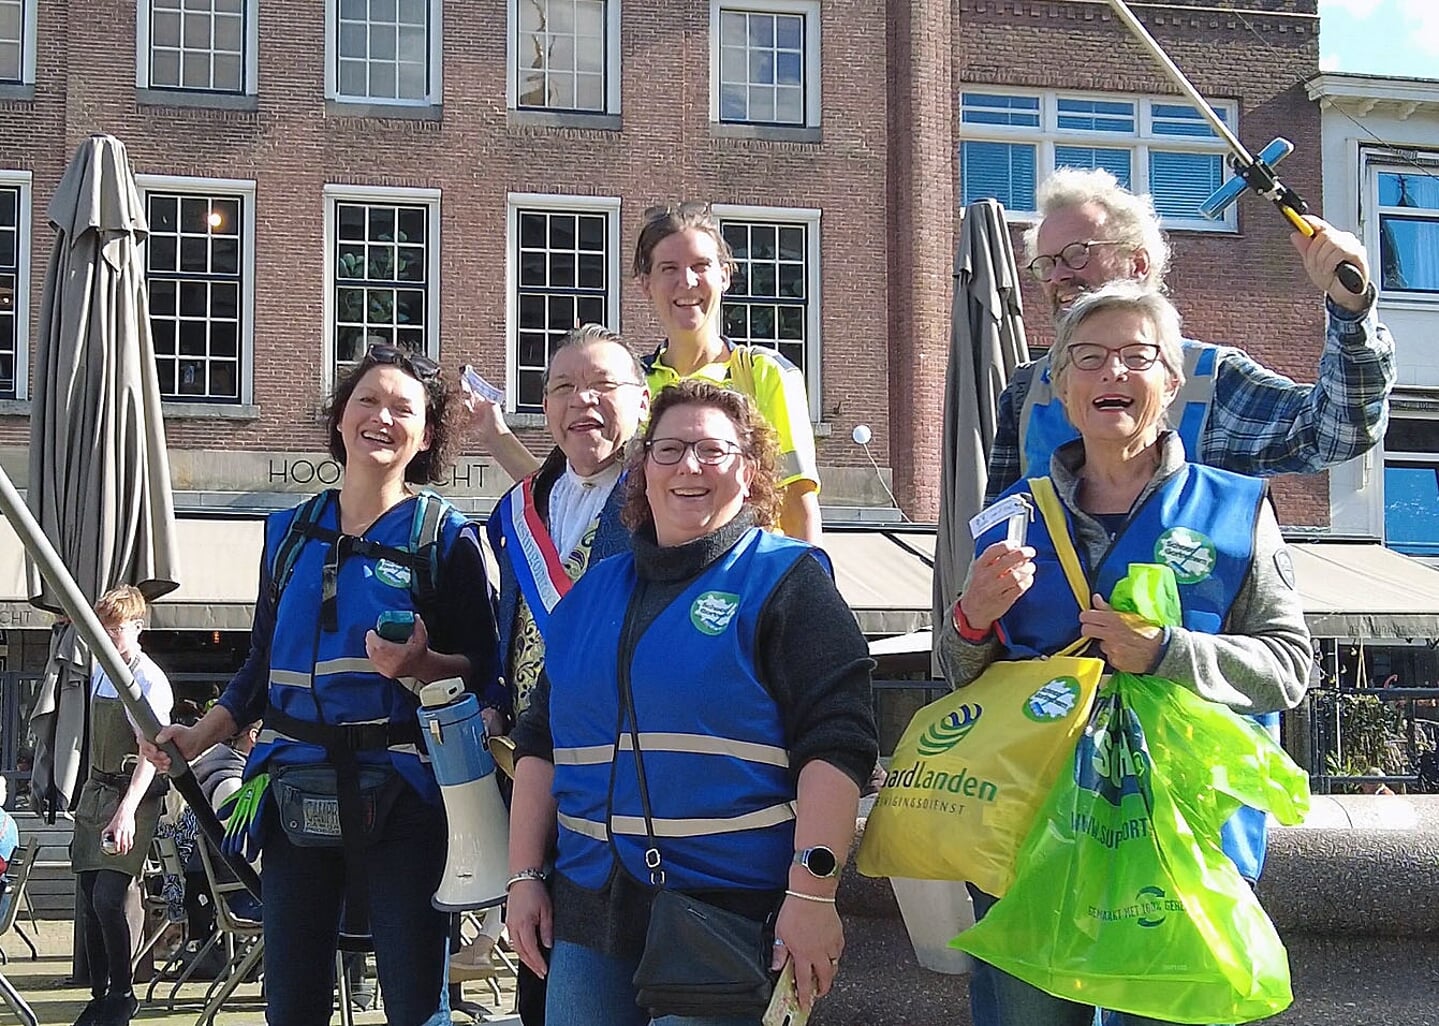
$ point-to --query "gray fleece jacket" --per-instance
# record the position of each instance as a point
(1259, 663)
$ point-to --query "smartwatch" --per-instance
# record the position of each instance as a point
(819, 860)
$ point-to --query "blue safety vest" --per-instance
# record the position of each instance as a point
(1200, 522)
(710, 733)
(320, 675)
(1044, 426)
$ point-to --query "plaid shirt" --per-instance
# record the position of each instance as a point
(1260, 422)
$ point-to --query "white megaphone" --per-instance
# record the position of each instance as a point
(477, 864)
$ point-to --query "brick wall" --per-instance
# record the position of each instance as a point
(291, 147)
(1248, 289)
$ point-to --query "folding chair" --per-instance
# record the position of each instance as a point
(17, 1003)
(164, 861)
(244, 940)
(17, 877)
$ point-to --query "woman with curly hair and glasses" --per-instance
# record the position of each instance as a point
(352, 817)
(750, 685)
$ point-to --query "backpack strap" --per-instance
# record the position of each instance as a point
(303, 526)
(425, 545)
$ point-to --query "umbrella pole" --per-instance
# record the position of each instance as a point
(88, 625)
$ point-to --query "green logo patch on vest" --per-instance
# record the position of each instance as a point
(389, 572)
(949, 730)
(712, 611)
(1054, 701)
(1188, 553)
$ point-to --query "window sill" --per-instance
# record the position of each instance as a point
(1425, 301)
(392, 111)
(564, 119)
(768, 133)
(14, 407)
(17, 91)
(210, 411)
(191, 98)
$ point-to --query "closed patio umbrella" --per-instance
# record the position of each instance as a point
(986, 344)
(99, 477)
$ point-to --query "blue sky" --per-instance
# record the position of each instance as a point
(1380, 37)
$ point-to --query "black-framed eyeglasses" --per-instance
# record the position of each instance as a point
(1091, 356)
(1075, 256)
(709, 451)
(567, 390)
(418, 364)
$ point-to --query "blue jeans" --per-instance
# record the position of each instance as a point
(999, 999)
(587, 988)
(304, 893)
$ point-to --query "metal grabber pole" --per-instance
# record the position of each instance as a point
(47, 560)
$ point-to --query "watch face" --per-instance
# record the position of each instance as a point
(820, 861)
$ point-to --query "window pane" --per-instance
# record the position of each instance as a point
(1409, 253)
(1408, 190)
(1005, 171)
(993, 109)
(1096, 115)
(762, 69)
(564, 281)
(10, 279)
(1411, 434)
(557, 38)
(1411, 507)
(197, 44)
(1117, 162)
(767, 302)
(1182, 120)
(1180, 182)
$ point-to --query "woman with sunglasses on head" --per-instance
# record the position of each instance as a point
(1129, 496)
(750, 685)
(683, 265)
(339, 702)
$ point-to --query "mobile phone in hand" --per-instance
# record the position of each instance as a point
(784, 1009)
(396, 625)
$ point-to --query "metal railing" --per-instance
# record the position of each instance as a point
(1406, 727)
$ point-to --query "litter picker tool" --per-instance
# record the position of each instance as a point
(1251, 172)
(88, 625)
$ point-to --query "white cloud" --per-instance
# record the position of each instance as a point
(1329, 62)
(1421, 22)
(1357, 8)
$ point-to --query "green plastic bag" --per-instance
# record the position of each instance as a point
(1123, 898)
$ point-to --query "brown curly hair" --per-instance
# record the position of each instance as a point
(757, 441)
(429, 466)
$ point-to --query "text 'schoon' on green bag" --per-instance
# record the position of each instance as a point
(1124, 898)
(973, 768)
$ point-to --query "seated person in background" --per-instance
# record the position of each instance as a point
(9, 833)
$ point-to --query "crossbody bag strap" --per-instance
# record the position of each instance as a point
(1047, 499)
(653, 860)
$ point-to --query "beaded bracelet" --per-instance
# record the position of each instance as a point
(533, 873)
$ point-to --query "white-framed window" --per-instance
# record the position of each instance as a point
(382, 272)
(200, 270)
(14, 283)
(564, 56)
(773, 298)
(1411, 485)
(765, 62)
(197, 45)
(563, 271)
(383, 51)
(1011, 139)
(17, 41)
(1405, 199)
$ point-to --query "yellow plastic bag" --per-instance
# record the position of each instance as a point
(973, 769)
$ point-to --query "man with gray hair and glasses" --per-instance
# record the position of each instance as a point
(1233, 413)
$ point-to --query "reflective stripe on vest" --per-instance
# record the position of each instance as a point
(718, 768)
(1044, 426)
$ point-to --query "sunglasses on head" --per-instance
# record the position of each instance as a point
(418, 364)
(690, 208)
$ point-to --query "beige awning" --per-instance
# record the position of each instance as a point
(1360, 590)
(219, 565)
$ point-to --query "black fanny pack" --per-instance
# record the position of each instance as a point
(309, 808)
(702, 960)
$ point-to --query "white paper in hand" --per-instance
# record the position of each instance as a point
(474, 384)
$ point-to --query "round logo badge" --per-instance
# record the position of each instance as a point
(712, 611)
(949, 730)
(392, 573)
(1054, 701)
(1188, 553)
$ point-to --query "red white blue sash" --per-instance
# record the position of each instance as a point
(536, 562)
